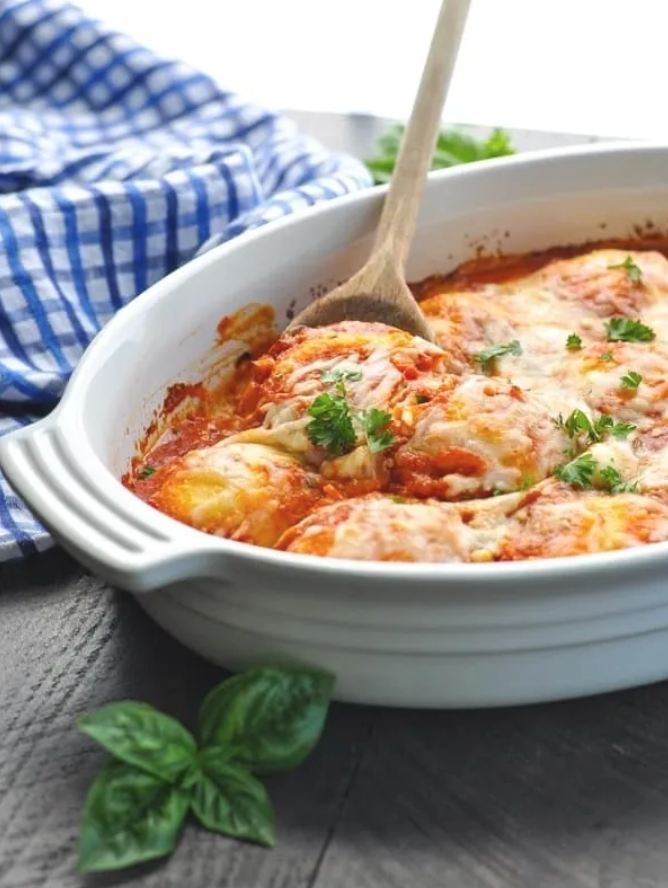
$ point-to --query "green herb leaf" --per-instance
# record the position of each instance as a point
(573, 342)
(138, 734)
(332, 424)
(631, 380)
(378, 436)
(398, 499)
(607, 357)
(422, 399)
(146, 472)
(578, 423)
(228, 799)
(579, 473)
(634, 273)
(527, 482)
(487, 357)
(270, 718)
(611, 480)
(452, 148)
(627, 330)
(622, 429)
(341, 374)
(130, 817)
(585, 472)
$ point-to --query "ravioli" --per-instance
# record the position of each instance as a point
(535, 427)
(246, 492)
(560, 522)
(376, 528)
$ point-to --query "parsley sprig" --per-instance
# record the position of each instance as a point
(628, 330)
(611, 480)
(631, 380)
(579, 472)
(586, 473)
(341, 374)
(331, 425)
(578, 423)
(335, 426)
(488, 356)
(632, 270)
(374, 424)
(573, 342)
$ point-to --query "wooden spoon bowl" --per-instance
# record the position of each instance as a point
(378, 292)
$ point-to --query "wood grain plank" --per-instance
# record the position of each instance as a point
(571, 795)
(69, 644)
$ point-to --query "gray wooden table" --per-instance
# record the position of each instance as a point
(571, 795)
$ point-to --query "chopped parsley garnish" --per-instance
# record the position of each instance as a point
(579, 473)
(332, 424)
(631, 380)
(578, 423)
(146, 472)
(584, 472)
(575, 422)
(628, 330)
(622, 429)
(375, 422)
(527, 482)
(488, 356)
(398, 499)
(607, 424)
(422, 399)
(632, 270)
(573, 342)
(611, 480)
(607, 357)
(341, 374)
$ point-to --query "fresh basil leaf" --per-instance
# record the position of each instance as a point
(130, 817)
(227, 799)
(138, 734)
(270, 718)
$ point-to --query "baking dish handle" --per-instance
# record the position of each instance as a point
(105, 527)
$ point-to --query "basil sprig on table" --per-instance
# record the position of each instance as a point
(265, 720)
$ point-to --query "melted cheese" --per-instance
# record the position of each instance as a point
(486, 436)
(378, 528)
(596, 374)
(242, 491)
(373, 366)
(467, 438)
(561, 522)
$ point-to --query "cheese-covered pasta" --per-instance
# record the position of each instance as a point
(536, 426)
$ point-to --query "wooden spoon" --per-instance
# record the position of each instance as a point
(378, 292)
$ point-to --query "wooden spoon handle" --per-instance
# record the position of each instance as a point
(402, 202)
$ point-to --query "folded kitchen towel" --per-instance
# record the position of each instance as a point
(116, 167)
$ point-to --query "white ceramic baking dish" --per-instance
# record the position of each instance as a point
(409, 635)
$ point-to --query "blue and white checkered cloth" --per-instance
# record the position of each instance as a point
(116, 167)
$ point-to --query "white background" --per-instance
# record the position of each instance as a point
(598, 67)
